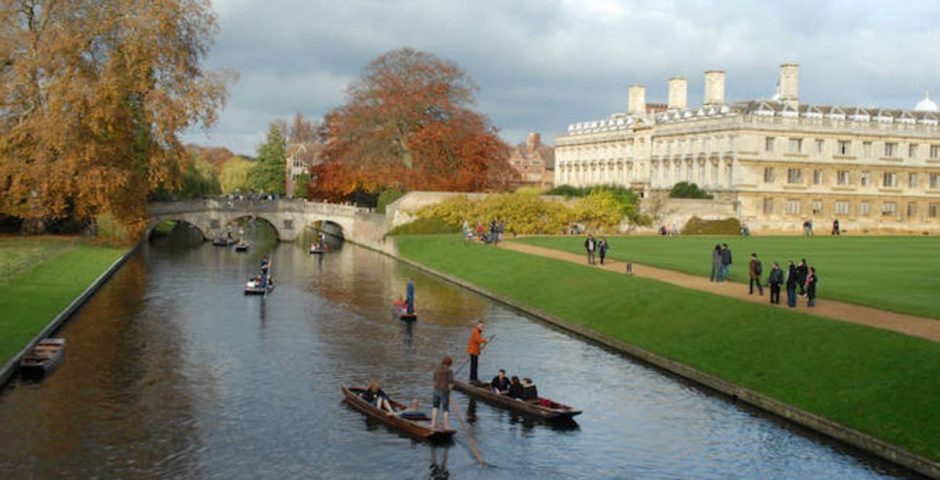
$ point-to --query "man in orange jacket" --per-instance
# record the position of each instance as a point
(473, 348)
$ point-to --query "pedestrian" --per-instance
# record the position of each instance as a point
(754, 269)
(808, 228)
(602, 248)
(811, 280)
(443, 378)
(716, 264)
(791, 284)
(590, 245)
(802, 270)
(466, 229)
(835, 227)
(410, 296)
(473, 348)
(775, 279)
(726, 261)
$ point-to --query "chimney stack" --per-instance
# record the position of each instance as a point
(789, 84)
(533, 141)
(714, 88)
(637, 104)
(678, 93)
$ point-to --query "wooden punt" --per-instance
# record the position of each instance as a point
(251, 289)
(408, 317)
(242, 246)
(418, 428)
(542, 408)
(223, 241)
(315, 250)
(44, 357)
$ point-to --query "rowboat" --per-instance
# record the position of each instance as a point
(418, 427)
(253, 287)
(44, 357)
(223, 241)
(242, 246)
(542, 408)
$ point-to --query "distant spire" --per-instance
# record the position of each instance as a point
(776, 96)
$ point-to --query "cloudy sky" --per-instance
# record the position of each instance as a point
(542, 64)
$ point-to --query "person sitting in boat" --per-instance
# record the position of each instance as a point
(376, 396)
(515, 387)
(413, 412)
(529, 392)
(400, 305)
(500, 382)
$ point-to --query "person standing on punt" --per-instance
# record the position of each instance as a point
(443, 378)
(473, 348)
(410, 296)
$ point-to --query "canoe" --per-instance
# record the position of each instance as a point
(44, 357)
(418, 428)
(242, 246)
(542, 408)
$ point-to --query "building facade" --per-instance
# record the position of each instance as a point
(298, 160)
(780, 161)
(533, 161)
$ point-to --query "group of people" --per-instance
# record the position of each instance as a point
(799, 279)
(595, 249)
(808, 227)
(493, 233)
(721, 263)
(513, 387)
(263, 279)
(668, 230)
(406, 305)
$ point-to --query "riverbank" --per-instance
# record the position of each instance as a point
(879, 383)
(43, 275)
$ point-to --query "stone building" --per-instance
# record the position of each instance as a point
(298, 160)
(534, 162)
(779, 161)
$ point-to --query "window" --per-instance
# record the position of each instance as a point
(934, 152)
(769, 144)
(768, 205)
(845, 147)
(819, 145)
(889, 179)
(911, 209)
(912, 180)
(866, 148)
(795, 145)
(817, 207)
(842, 207)
(889, 209)
(864, 209)
(891, 149)
(935, 180)
(864, 179)
(842, 177)
(794, 175)
(933, 210)
(793, 207)
(912, 150)
(768, 174)
(817, 177)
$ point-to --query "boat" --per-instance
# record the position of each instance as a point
(542, 407)
(315, 250)
(223, 241)
(253, 287)
(43, 358)
(418, 427)
(408, 317)
(242, 246)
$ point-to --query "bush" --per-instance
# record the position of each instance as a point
(697, 226)
(110, 232)
(688, 190)
(424, 226)
(387, 197)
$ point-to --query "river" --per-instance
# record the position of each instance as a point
(170, 372)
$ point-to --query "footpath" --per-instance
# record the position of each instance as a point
(898, 322)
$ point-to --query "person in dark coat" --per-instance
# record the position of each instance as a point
(591, 246)
(835, 227)
(725, 262)
(802, 270)
(811, 280)
(529, 392)
(775, 279)
(755, 270)
(410, 296)
(791, 284)
(515, 387)
(602, 248)
(500, 382)
(716, 264)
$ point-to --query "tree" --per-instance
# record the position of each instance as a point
(199, 179)
(234, 175)
(407, 124)
(93, 97)
(302, 130)
(300, 186)
(687, 190)
(268, 174)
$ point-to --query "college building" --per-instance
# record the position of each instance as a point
(533, 161)
(777, 161)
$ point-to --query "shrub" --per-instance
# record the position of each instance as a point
(387, 197)
(688, 190)
(697, 226)
(424, 226)
(110, 232)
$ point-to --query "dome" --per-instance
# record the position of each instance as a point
(926, 105)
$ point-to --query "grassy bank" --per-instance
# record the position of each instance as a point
(42, 276)
(890, 273)
(878, 382)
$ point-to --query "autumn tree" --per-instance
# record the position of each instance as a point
(93, 97)
(408, 124)
(302, 130)
(233, 176)
(269, 173)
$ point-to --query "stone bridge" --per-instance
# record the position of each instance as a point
(288, 217)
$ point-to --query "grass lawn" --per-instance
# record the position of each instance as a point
(42, 275)
(882, 383)
(891, 273)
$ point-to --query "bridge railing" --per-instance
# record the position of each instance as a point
(253, 205)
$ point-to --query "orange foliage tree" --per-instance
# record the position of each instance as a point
(407, 124)
(93, 97)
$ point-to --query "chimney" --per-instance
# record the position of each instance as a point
(637, 100)
(714, 88)
(532, 141)
(789, 84)
(678, 93)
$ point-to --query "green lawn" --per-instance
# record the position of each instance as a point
(882, 383)
(41, 277)
(900, 274)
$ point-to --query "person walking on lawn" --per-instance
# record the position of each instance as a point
(802, 270)
(602, 248)
(755, 270)
(775, 279)
(473, 348)
(792, 280)
(725, 263)
(591, 246)
(716, 264)
(811, 280)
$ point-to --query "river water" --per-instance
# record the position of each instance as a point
(170, 372)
